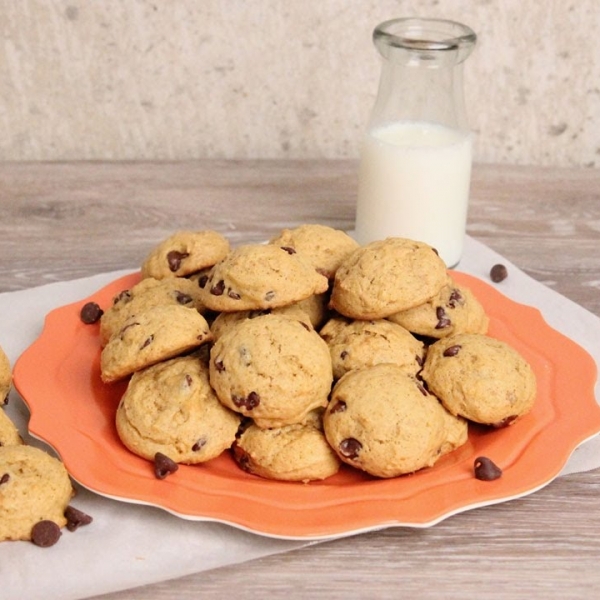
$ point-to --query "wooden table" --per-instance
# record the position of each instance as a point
(68, 220)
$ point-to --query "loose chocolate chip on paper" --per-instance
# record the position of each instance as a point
(76, 518)
(486, 469)
(45, 533)
(90, 313)
(498, 273)
(163, 465)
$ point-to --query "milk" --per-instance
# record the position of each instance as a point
(414, 182)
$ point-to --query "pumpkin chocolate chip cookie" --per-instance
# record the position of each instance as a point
(257, 276)
(272, 369)
(170, 408)
(386, 277)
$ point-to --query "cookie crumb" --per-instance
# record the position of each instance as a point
(498, 273)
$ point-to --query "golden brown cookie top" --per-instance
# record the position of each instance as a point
(259, 276)
(454, 309)
(170, 408)
(34, 486)
(322, 246)
(382, 421)
(480, 378)
(146, 294)
(185, 252)
(157, 334)
(272, 369)
(385, 277)
(356, 344)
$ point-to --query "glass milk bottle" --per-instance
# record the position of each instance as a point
(415, 166)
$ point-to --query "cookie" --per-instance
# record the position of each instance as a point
(146, 294)
(256, 276)
(386, 277)
(224, 321)
(185, 252)
(159, 333)
(455, 309)
(9, 434)
(296, 452)
(170, 408)
(34, 487)
(323, 247)
(272, 369)
(357, 344)
(382, 421)
(5, 377)
(480, 378)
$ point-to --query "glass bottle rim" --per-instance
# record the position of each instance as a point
(425, 34)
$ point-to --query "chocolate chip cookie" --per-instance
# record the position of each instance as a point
(272, 369)
(257, 276)
(323, 247)
(184, 253)
(480, 378)
(356, 344)
(170, 408)
(381, 420)
(386, 277)
(34, 487)
(157, 334)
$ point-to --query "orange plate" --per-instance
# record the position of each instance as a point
(58, 377)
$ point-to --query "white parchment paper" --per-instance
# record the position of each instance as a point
(128, 545)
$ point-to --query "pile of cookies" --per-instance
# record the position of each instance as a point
(304, 353)
(35, 488)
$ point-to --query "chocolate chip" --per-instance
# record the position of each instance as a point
(5, 478)
(218, 288)
(163, 465)
(452, 350)
(174, 258)
(486, 469)
(350, 448)
(183, 298)
(199, 445)
(202, 281)
(188, 380)
(289, 249)
(76, 518)
(269, 296)
(251, 401)
(338, 407)
(498, 273)
(455, 299)
(147, 342)
(90, 313)
(45, 533)
(219, 366)
(344, 354)
(443, 319)
(233, 295)
(241, 457)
